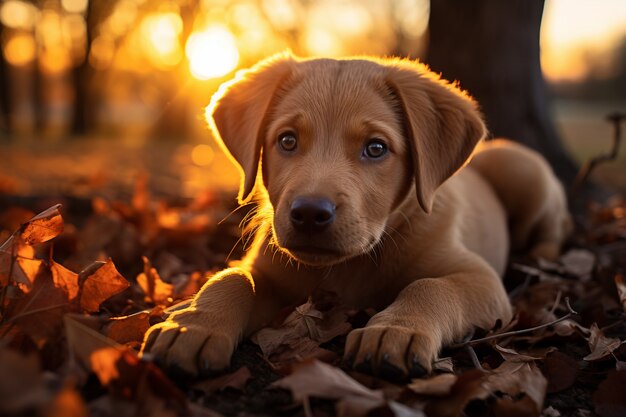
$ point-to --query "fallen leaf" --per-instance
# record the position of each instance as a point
(578, 262)
(307, 322)
(236, 380)
(561, 371)
(45, 226)
(519, 378)
(443, 365)
(153, 286)
(22, 387)
(437, 385)
(40, 312)
(127, 329)
(600, 345)
(515, 379)
(120, 369)
(65, 279)
(101, 284)
(313, 378)
(510, 355)
(610, 397)
(17, 264)
(67, 403)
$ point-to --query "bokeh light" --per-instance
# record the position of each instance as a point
(20, 49)
(160, 33)
(18, 14)
(212, 52)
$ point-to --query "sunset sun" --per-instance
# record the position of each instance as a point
(212, 52)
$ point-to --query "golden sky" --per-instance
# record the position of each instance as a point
(578, 33)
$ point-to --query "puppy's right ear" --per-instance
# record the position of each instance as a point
(238, 115)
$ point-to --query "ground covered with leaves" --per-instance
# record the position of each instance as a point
(81, 283)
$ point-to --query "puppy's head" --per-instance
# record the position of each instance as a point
(340, 144)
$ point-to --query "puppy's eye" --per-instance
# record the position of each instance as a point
(287, 142)
(374, 149)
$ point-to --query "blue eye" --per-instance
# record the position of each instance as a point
(374, 149)
(287, 142)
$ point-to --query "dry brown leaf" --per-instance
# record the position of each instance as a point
(313, 378)
(21, 384)
(600, 345)
(610, 397)
(67, 403)
(236, 380)
(65, 280)
(511, 378)
(40, 312)
(511, 355)
(561, 371)
(101, 284)
(578, 262)
(153, 286)
(437, 385)
(120, 369)
(304, 322)
(127, 329)
(45, 226)
(517, 378)
(24, 268)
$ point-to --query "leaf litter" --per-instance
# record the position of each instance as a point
(76, 302)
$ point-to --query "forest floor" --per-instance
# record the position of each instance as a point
(140, 229)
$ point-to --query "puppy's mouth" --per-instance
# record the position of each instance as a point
(316, 255)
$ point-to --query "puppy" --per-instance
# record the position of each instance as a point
(357, 164)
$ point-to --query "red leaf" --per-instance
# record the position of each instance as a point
(45, 226)
(100, 285)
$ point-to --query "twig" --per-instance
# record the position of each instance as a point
(591, 164)
(570, 312)
(473, 357)
(306, 405)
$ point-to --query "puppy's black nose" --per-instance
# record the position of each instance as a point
(312, 214)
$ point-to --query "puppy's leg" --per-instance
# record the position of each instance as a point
(405, 338)
(534, 199)
(203, 336)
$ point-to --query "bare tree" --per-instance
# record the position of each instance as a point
(5, 103)
(492, 48)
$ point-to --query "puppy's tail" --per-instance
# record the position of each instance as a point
(533, 197)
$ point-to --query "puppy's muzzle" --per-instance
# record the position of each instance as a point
(312, 215)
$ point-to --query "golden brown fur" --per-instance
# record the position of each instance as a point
(424, 246)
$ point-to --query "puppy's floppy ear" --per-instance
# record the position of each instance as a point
(238, 115)
(442, 122)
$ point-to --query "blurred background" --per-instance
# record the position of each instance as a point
(96, 93)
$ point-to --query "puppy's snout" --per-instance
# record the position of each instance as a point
(312, 214)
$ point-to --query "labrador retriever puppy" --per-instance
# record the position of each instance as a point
(359, 165)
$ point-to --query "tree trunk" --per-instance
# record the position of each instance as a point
(5, 102)
(492, 48)
(81, 78)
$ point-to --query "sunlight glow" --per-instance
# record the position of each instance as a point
(577, 34)
(74, 6)
(20, 49)
(202, 155)
(18, 14)
(160, 34)
(212, 52)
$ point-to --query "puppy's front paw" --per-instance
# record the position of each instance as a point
(392, 352)
(191, 341)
